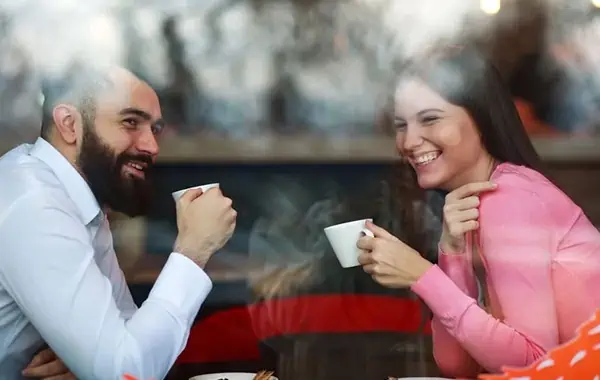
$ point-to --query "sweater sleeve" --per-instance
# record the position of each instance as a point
(448, 353)
(490, 342)
(576, 277)
(516, 232)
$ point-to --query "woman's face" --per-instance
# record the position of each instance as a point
(439, 139)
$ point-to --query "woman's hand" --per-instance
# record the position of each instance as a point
(461, 215)
(389, 261)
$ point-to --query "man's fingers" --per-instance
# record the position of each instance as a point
(42, 357)
(66, 376)
(231, 216)
(471, 189)
(46, 370)
(216, 190)
(190, 195)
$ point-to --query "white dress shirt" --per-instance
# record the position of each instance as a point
(60, 282)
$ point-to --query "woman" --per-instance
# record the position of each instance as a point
(519, 263)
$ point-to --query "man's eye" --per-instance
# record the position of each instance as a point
(157, 129)
(130, 123)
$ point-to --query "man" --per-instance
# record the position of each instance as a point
(60, 283)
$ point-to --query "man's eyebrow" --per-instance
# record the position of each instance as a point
(143, 115)
(137, 112)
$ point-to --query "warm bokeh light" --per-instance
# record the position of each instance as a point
(492, 7)
(596, 3)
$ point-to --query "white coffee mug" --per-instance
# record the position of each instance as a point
(176, 195)
(343, 238)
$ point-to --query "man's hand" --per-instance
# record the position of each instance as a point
(46, 365)
(205, 222)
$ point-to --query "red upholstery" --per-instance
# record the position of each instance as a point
(233, 334)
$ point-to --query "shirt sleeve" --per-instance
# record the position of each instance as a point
(47, 265)
(515, 233)
(109, 265)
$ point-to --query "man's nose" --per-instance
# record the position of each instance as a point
(146, 143)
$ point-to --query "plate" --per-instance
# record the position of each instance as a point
(228, 376)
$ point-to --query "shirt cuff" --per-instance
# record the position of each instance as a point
(183, 284)
(441, 294)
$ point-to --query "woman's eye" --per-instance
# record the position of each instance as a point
(430, 120)
(399, 126)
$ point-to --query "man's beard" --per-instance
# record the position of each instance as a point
(103, 170)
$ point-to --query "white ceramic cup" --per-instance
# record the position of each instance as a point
(228, 376)
(343, 238)
(176, 195)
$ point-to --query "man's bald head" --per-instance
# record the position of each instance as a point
(81, 87)
(106, 123)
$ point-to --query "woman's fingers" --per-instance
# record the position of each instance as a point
(470, 189)
(462, 204)
(463, 216)
(459, 229)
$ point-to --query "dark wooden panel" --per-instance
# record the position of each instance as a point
(581, 181)
(370, 355)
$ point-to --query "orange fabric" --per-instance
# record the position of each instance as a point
(575, 360)
(533, 125)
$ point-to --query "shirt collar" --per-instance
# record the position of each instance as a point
(76, 186)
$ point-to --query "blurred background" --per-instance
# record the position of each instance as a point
(278, 100)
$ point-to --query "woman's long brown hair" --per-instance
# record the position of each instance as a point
(464, 77)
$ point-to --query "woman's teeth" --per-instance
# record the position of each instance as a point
(426, 158)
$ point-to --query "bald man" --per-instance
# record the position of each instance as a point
(60, 283)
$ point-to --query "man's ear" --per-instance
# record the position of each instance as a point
(67, 120)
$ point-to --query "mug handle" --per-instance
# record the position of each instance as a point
(367, 232)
